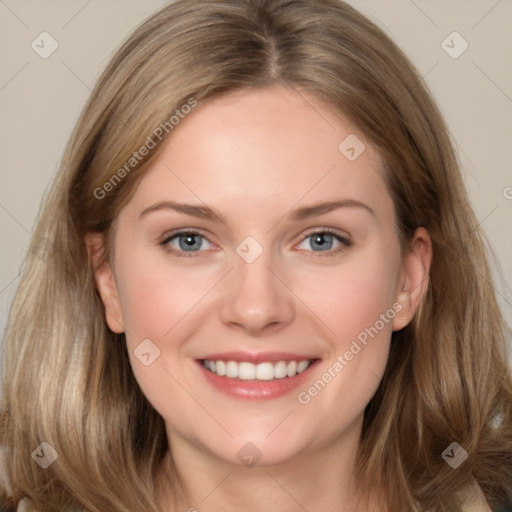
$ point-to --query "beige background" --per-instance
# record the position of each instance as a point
(40, 100)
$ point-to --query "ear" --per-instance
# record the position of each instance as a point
(414, 277)
(105, 282)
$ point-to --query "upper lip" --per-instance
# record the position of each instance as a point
(261, 357)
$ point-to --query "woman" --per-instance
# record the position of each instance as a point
(266, 288)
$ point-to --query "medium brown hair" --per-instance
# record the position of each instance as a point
(67, 379)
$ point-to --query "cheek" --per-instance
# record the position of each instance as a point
(158, 296)
(160, 302)
(351, 297)
(357, 305)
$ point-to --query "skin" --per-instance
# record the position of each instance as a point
(255, 157)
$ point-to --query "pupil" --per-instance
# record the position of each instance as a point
(189, 241)
(321, 241)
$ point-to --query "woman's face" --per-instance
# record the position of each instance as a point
(288, 258)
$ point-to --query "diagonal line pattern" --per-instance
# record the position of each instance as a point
(14, 76)
(75, 15)
(492, 81)
(300, 199)
(428, 72)
(503, 297)
(487, 216)
(199, 300)
(420, 82)
(10, 282)
(486, 14)
(216, 487)
(299, 299)
(169, 169)
(13, 218)
(424, 13)
(13, 13)
(279, 424)
(81, 81)
(309, 103)
(284, 489)
(199, 403)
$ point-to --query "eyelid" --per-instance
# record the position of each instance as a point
(167, 237)
(331, 231)
(345, 241)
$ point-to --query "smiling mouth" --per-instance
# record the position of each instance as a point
(264, 371)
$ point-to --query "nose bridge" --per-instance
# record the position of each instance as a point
(255, 297)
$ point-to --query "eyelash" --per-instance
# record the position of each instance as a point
(345, 243)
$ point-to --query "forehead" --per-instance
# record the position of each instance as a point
(265, 148)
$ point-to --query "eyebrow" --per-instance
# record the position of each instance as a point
(205, 212)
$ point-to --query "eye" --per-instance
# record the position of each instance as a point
(323, 242)
(185, 242)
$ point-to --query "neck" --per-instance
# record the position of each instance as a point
(316, 479)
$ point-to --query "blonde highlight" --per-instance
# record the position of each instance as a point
(431, 393)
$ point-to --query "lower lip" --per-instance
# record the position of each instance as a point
(256, 389)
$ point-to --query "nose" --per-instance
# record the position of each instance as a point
(256, 300)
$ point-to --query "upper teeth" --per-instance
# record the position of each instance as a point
(262, 371)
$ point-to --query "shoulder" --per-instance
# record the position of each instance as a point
(473, 499)
(25, 506)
